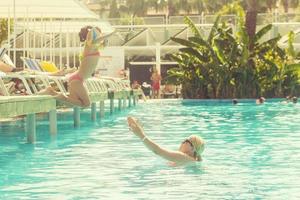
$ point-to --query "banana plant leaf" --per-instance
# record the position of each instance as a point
(262, 32)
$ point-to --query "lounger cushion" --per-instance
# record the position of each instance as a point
(48, 66)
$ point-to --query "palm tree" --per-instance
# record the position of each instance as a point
(289, 3)
(251, 17)
(172, 6)
(113, 10)
(294, 3)
(155, 4)
(4, 29)
(212, 6)
(285, 4)
(137, 8)
(104, 4)
(189, 6)
(199, 5)
(271, 4)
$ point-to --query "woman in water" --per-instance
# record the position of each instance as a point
(189, 151)
(78, 95)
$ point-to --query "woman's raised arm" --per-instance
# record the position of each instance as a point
(174, 156)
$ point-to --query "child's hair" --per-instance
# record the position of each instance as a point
(295, 99)
(84, 31)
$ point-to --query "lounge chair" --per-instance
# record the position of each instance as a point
(2, 52)
(4, 88)
(32, 64)
(168, 91)
(24, 77)
(5, 58)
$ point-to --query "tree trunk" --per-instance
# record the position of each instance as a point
(285, 4)
(251, 26)
(171, 10)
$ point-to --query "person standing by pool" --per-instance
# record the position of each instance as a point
(155, 78)
(93, 38)
(135, 85)
(189, 151)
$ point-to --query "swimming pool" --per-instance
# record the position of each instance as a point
(252, 152)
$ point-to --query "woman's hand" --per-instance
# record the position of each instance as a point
(135, 127)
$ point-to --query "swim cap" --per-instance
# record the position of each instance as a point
(198, 143)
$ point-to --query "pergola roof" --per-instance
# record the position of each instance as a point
(45, 9)
(62, 26)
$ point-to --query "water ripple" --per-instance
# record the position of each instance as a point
(252, 152)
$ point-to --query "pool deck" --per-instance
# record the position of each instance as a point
(13, 106)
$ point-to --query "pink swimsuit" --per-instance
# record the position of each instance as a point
(75, 75)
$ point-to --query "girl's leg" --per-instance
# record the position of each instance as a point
(78, 95)
(68, 101)
(48, 91)
(5, 68)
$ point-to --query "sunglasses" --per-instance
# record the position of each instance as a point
(188, 141)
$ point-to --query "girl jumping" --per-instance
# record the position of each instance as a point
(78, 95)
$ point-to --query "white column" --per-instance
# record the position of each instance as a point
(68, 48)
(102, 111)
(129, 101)
(8, 29)
(74, 52)
(112, 107)
(53, 122)
(51, 42)
(14, 35)
(275, 31)
(157, 55)
(42, 38)
(34, 38)
(148, 37)
(76, 116)
(24, 38)
(30, 128)
(120, 104)
(124, 103)
(134, 100)
(27, 35)
(93, 112)
(60, 45)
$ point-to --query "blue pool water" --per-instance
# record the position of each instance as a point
(252, 152)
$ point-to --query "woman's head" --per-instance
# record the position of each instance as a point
(262, 99)
(234, 101)
(294, 99)
(84, 31)
(193, 146)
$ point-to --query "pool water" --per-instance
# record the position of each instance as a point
(252, 152)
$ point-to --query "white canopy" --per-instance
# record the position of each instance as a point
(62, 26)
(45, 8)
